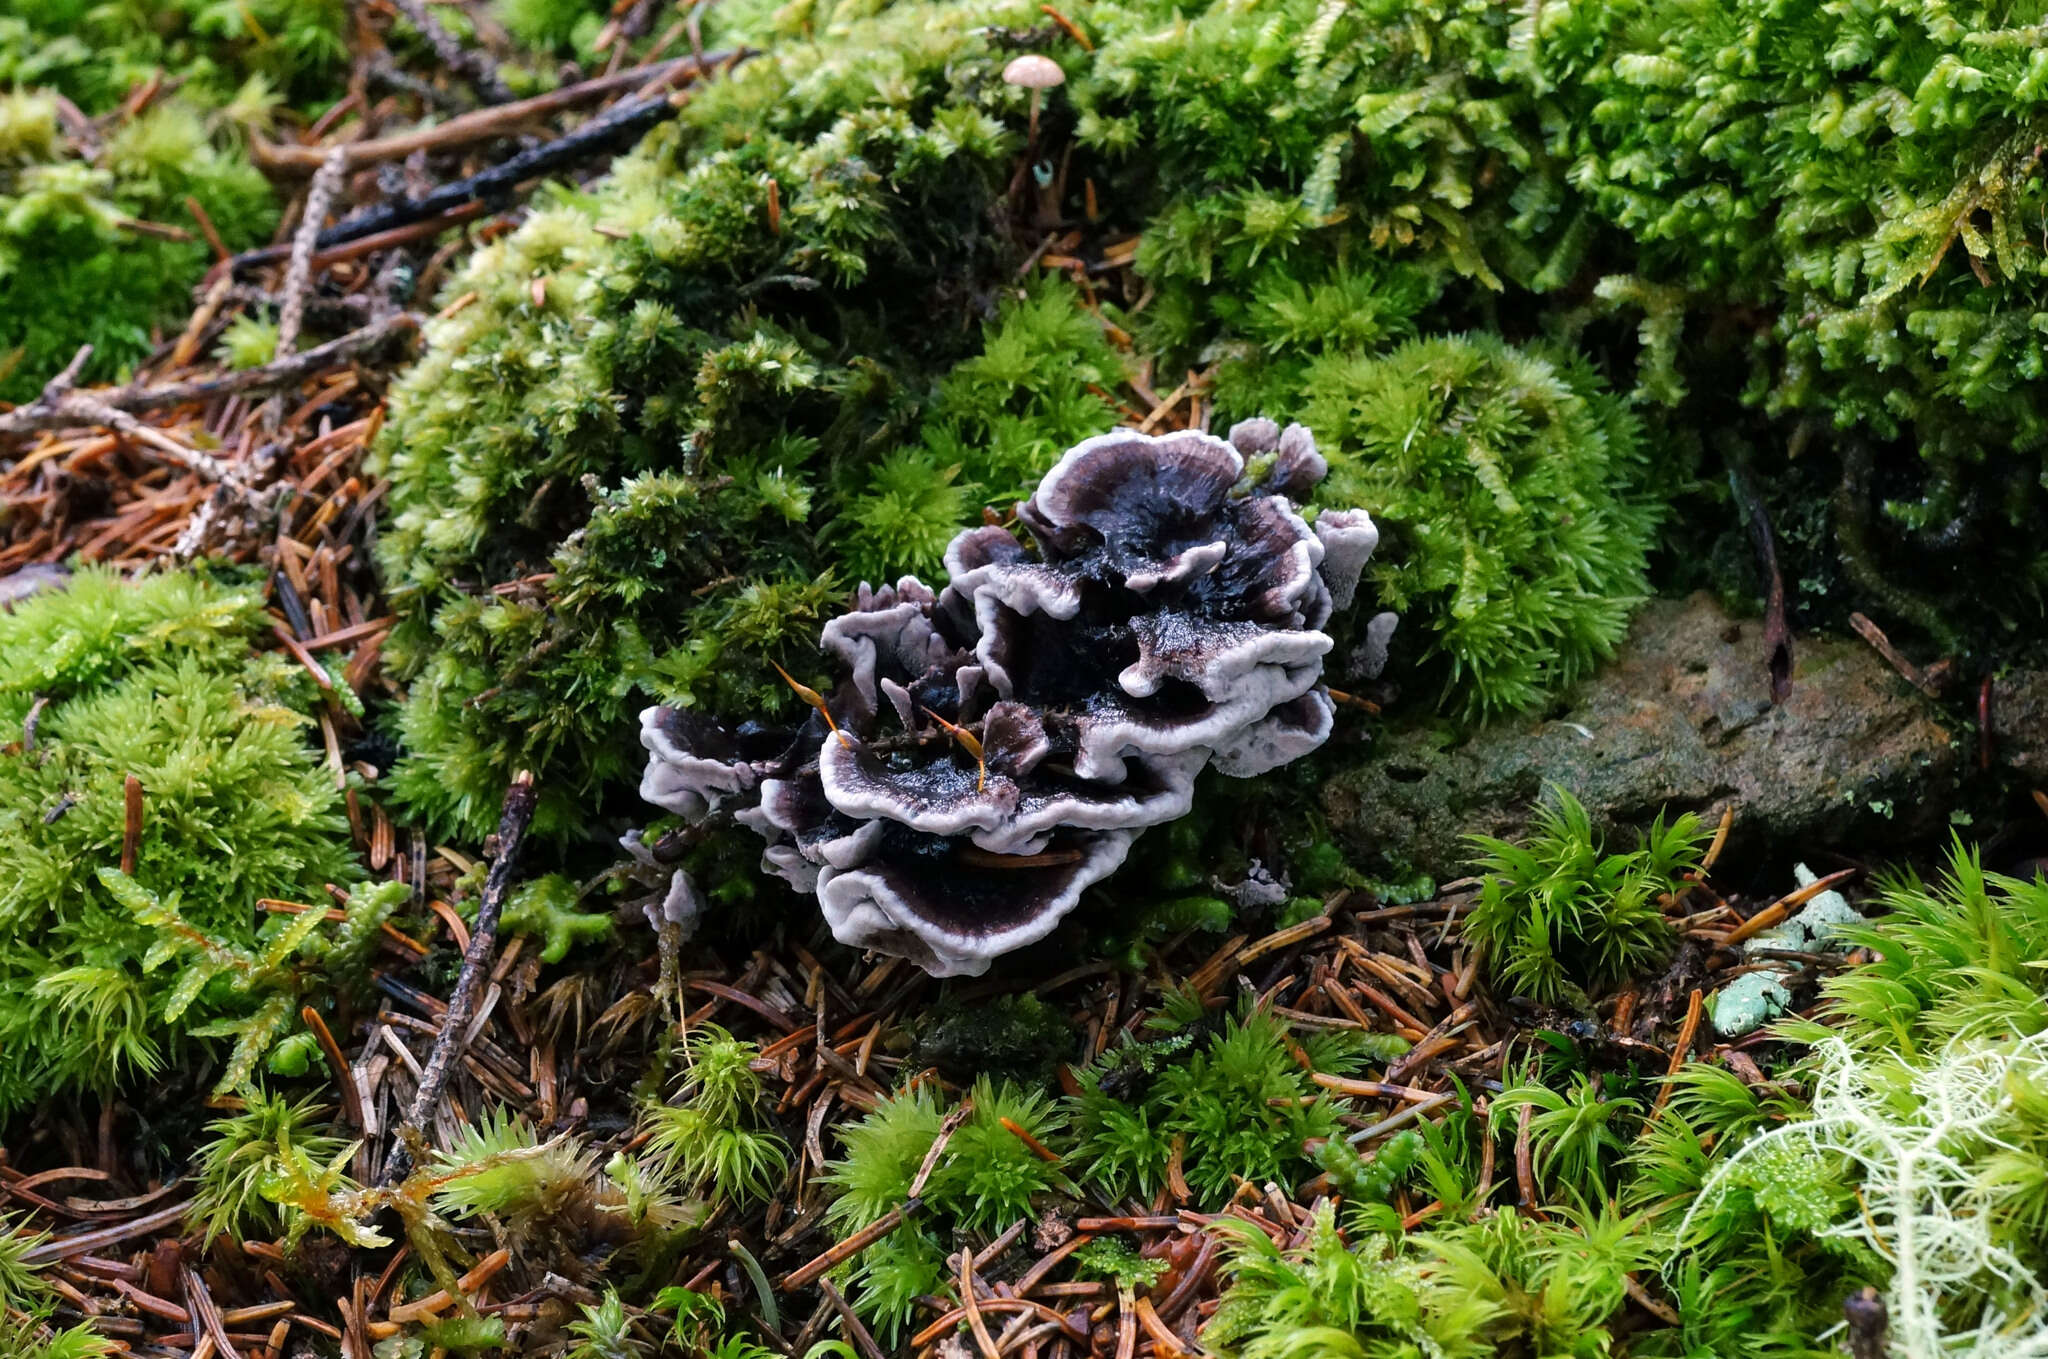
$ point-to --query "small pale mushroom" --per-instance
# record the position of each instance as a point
(994, 748)
(1037, 74)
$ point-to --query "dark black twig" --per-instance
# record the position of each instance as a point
(1777, 632)
(613, 130)
(1868, 1322)
(513, 821)
(294, 608)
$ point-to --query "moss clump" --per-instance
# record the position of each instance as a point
(152, 679)
(1558, 913)
(75, 266)
(247, 342)
(674, 432)
(1846, 193)
(74, 269)
(1514, 491)
(96, 54)
(1232, 1096)
(782, 350)
(1236, 1101)
(987, 1177)
(552, 25)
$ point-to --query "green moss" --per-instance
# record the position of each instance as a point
(73, 270)
(547, 907)
(247, 342)
(153, 679)
(1239, 1103)
(784, 348)
(1559, 913)
(1514, 491)
(709, 1139)
(675, 430)
(987, 1177)
(241, 1156)
(1863, 174)
(97, 53)
(551, 25)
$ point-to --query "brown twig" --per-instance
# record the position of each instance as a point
(938, 1146)
(1695, 1008)
(207, 1314)
(84, 1243)
(1038, 1148)
(344, 1074)
(1713, 854)
(1525, 1161)
(844, 1250)
(513, 821)
(1784, 906)
(971, 1305)
(298, 273)
(850, 1321)
(1777, 633)
(1345, 1085)
(131, 832)
(490, 122)
(46, 412)
(61, 403)
(1882, 645)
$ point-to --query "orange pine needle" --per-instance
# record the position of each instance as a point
(1038, 1148)
(970, 742)
(811, 696)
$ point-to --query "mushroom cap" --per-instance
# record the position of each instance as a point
(995, 747)
(1034, 72)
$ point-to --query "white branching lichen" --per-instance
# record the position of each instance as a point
(1917, 1142)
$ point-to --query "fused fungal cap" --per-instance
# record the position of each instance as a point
(995, 747)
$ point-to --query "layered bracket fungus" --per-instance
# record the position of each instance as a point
(994, 748)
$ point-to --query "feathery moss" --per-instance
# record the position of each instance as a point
(153, 679)
(1516, 501)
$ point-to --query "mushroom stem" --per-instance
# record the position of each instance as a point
(1036, 73)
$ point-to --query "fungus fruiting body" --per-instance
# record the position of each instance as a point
(995, 747)
(1037, 74)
